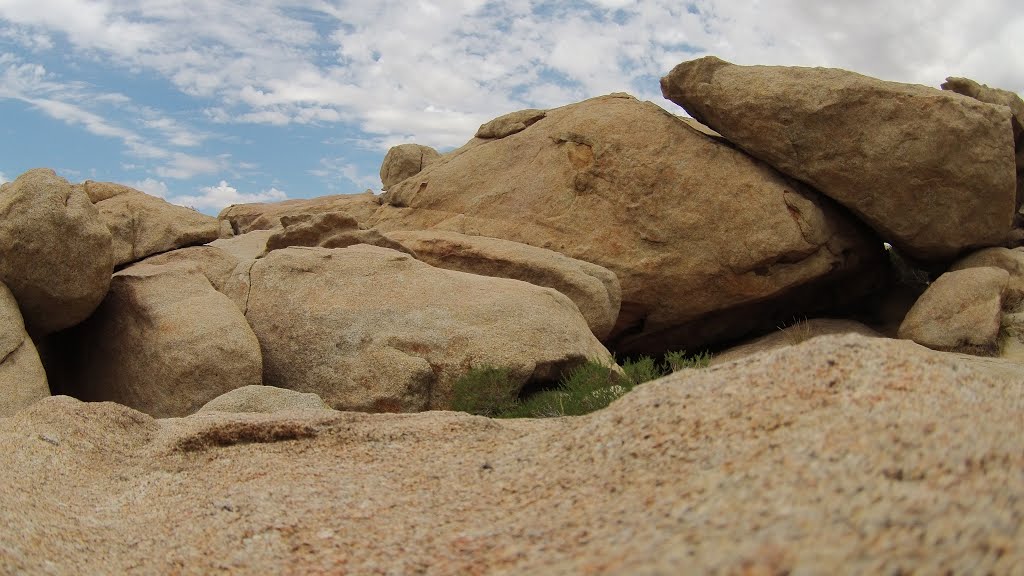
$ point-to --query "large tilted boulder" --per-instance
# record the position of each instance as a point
(931, 171)
(163, 341)
(405, 160)
(263, 399)
(707, 242)
(595, 290)
(55, 251)
(247, 217)
(328, 230)
(142, 225)
(22, 378)
(510, 124)
(960, 312)
(372, 329)
(842, 455)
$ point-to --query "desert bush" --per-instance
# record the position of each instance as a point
(676, 361)
(588, 387)
(485, 391)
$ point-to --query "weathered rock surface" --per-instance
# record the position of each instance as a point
(263, 399)
(931, 171)
(405, 160)
(247, 217)
(960, 312)
(998, 96)
(510, 124)
(1010, 260)
(55, 251)
(22, 378)
(163, 341)
(706, 241)
(594, 289)
(247, 246)
(372, 329)
(328, 230)
(216, 264)
(142, 225)
(839, 455)
(792, 335)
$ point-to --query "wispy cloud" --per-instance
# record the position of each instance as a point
(432, 71)
(223, 194)
(3, 178)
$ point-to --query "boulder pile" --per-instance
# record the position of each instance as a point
(848, 248)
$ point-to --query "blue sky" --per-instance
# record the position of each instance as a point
(207, 103)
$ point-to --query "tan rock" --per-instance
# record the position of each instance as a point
(961, 312)
(595, 290)
(142, 225)
(55, 251)
(165, 342)
(247, 217)
(931, 171)
(998, 96)
(838, 455)
(1010, 260)
(707, 243)
(372, 329)
(217, 265)
(405, 160)
(247, 246)
(263, 399)
(796, 333)
(328, 230)
(22, 378)
(510, 124)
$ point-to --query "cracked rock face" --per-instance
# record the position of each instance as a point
(372, 329)
(931, 171)
(22, 378)
(705, 240)
(164, 341)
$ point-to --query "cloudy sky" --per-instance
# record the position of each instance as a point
(208, 103)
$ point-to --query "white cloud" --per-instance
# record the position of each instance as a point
(433, 71)
(150, 186)
(334, 172)
(3, 178)
(182, 166)
(215, 198)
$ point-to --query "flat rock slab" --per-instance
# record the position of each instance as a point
(932, 171)
(594, 289)
(263, 216)
(839, 455)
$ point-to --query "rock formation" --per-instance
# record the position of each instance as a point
(55, 251)
(263, 399)
(142, 225)
(595, 290)
(706, 242)
(838, 455)
(22, 378)
(247, 217)
(369, 328)
(327, 230)
(931, 171)
(405, 160)
(960, 312)
(164, 342)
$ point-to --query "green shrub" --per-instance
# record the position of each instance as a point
(584, 389)
(485, 391)
(676, 361)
